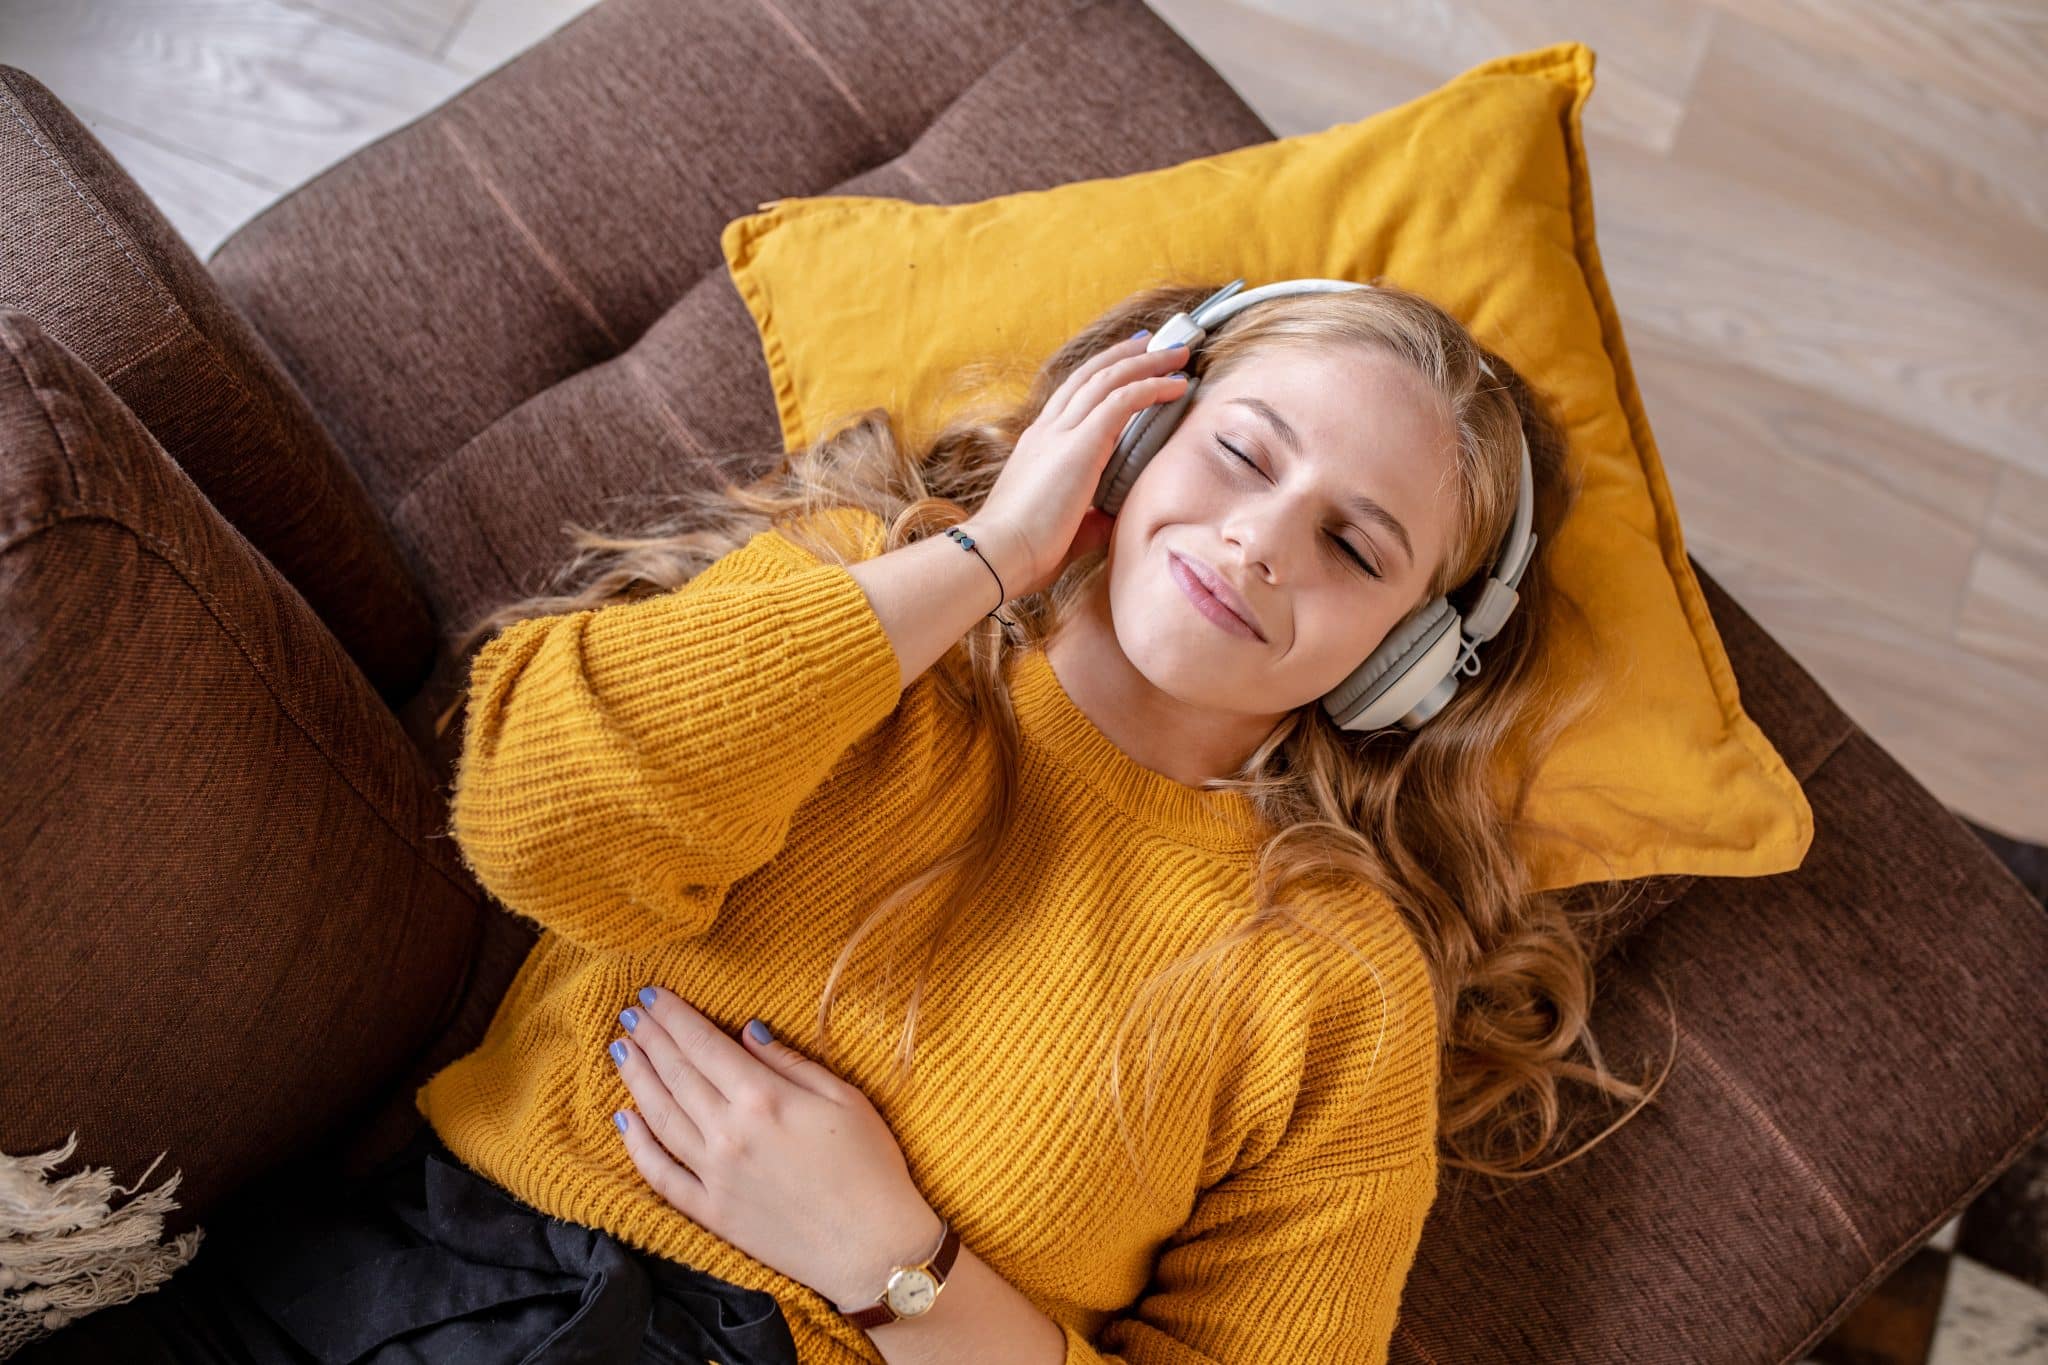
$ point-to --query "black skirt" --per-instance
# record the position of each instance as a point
(421, 1261)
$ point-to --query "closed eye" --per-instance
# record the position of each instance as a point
(1350, 550)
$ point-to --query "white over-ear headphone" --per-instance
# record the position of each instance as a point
(1415, 670)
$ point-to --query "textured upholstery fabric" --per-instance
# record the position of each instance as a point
(1851, 1071)
(89, 257)
(1861, 1036)
(572, 343)
(228, 916)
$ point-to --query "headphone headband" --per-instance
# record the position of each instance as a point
(1516, 549)
(1414, 671)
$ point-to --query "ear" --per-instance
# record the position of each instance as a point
(1093, 534)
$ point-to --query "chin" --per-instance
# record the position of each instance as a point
(1166, 641)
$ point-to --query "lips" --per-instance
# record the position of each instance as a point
(1220, 590)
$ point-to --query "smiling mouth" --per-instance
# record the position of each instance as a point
(1207, 602)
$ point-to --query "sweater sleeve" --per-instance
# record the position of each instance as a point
(1302, 1254)
(622, 766)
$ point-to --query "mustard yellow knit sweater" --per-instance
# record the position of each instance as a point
(707, 789)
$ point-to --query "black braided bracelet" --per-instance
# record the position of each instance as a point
(967, 543)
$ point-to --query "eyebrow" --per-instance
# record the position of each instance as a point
(1359, 503)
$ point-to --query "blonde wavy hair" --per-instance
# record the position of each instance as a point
(1418, 816)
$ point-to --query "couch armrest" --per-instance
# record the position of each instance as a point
(231, 910)
(91, 258)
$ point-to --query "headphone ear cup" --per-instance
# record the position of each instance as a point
(1142, 437)
(1400, 675)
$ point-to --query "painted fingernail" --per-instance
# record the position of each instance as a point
(620, 1119)
(647, 996)
(1141, 332)
(630, 1018)
(618, 1051)
(758, 1031)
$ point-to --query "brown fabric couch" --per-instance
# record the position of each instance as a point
(245, 505)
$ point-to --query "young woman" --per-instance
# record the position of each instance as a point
(985, 804)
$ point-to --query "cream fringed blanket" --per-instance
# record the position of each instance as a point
(64, 1253)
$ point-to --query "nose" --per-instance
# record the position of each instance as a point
(1255, 531)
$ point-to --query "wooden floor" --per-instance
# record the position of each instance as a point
(1825, 224)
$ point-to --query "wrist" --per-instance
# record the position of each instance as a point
(918, 1240)
(1006, 553)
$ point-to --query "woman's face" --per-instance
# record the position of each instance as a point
(1322, 580)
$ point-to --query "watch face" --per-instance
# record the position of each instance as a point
(911, 1292)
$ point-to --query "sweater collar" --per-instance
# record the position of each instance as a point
(1056, 726)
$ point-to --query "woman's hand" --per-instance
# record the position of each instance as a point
(1045, 494)
(769, 1150)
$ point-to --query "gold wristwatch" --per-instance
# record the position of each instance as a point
(912, 1289)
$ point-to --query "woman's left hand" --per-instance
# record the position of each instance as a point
(769, 1150)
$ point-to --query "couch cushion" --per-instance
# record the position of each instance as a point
(90, 258)
(1791, 709)
(1858, 1049)
(231, 915)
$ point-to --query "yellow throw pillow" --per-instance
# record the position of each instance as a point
(1476, 195)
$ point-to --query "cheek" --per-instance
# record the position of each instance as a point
(1126, 536)
(1337, 631)
(1189, 474)
(1167, 495)
(1368, 629)
(1173, 476)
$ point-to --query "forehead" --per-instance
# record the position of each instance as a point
(1354, 409)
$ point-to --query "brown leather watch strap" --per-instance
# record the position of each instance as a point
(940, 1265)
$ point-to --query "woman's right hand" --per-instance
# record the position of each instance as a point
(1045, 493)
